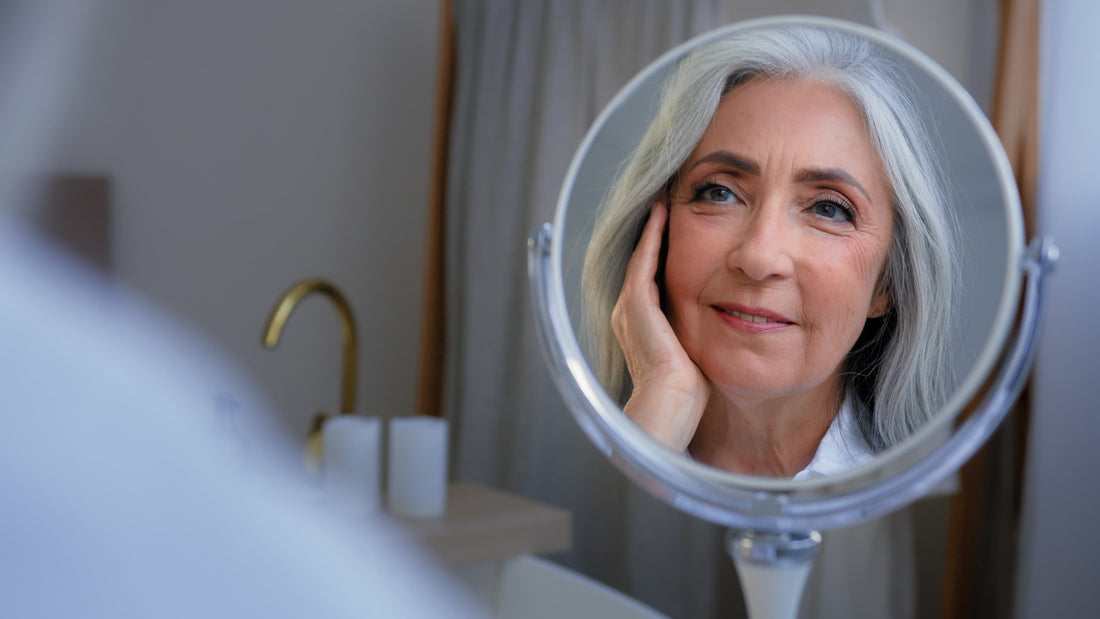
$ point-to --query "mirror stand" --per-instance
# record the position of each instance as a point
(772, 568)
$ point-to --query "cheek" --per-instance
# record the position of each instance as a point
(846, 291)
(685, 271)
(870, 264)
(689, 259)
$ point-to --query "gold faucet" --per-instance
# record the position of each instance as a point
(274, 329)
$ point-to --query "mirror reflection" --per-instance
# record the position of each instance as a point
(771, 282)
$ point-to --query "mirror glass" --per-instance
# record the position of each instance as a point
(979, 195)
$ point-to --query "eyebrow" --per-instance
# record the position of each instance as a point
(749, 166)
(830, 174)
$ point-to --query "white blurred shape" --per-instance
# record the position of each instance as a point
(417, 483)
(123, 495)
(352, 463)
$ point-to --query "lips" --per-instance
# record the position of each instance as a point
(758, 315)
(752, 319)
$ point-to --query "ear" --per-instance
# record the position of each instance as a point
(880, 304)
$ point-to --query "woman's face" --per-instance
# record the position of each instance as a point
(780, 222)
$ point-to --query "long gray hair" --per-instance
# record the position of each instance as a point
(897, 374)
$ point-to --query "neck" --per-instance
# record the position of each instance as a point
(776, 437)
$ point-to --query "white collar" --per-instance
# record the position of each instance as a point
(842, 448)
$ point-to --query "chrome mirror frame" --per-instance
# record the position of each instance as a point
(891, 481)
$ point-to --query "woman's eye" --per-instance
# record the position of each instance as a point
(714, 193)
(832, 211)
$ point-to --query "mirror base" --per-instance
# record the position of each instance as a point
(772, 568)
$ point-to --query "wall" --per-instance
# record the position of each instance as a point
(251, 144)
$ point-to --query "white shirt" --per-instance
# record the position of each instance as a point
(842, 448)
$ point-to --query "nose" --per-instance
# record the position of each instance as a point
(764, 248)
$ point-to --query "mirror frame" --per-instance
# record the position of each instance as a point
(889, 481)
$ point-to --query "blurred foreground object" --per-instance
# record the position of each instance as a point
(141, 478)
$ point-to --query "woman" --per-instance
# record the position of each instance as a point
(776, 260)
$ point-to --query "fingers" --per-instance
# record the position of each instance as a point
(642, 329)
(643, 262)
(670, 392)
(639, 299)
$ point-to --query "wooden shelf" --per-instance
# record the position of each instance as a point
(482, 524)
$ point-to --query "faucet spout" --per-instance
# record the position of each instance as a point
(281, 314)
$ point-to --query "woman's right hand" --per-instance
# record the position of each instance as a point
(670, 392)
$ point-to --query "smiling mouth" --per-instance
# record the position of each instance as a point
(752, 317)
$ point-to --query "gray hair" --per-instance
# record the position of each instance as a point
(897, 374)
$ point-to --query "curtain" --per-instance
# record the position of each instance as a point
(530, 77)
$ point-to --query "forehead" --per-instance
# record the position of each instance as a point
(800, 121)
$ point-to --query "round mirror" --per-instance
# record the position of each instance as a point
(906, 240)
